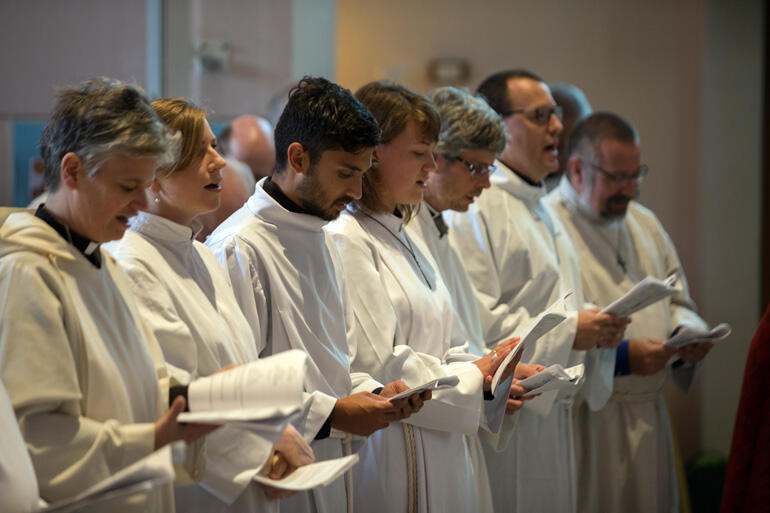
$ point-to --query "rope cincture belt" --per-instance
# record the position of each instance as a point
(411, 468)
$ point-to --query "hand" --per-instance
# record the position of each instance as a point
(291, 452)
(408, 405)
(647, 355)
(364, 413)
(168, 430)
(488, 364)
(598, 329)
(515, 399)
(525, 370)
(693, 353)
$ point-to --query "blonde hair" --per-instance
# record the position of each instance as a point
(181, 116)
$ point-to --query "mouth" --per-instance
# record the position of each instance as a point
(422, 184)
(552, 148)
(214, 186)
(123, 220)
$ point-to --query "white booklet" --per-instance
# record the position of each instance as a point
(434, 384)
(545, 322)
(140, 477)
(553, 377)
(648, 291)
(267, 391)
(689, 335)
(321, 473)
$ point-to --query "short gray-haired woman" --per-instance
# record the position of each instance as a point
(75, 356)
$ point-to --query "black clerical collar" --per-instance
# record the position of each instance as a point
(277, 194)
(438, 219)
(89, 248)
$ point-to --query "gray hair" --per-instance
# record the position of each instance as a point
(467, 123)
(591, 131)
(99, 119)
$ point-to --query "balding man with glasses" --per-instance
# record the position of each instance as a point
(520, 261)
(625, 455)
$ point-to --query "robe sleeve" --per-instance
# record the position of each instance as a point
(39, 355)
(372, 351)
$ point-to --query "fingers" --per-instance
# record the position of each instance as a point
(176, 408)
(280, 466)
(513, 405)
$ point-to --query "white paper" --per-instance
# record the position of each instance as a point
(545, 322)
(435, 384)
(553, 377)
(267, 389)
(648, 291)
(321, 473)
(140, 477)
(689, 335)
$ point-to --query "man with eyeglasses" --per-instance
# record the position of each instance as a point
(625, 457)
(520, 262)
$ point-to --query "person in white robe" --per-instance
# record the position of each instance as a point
(18, 486)
(186, 299)
(75, 355)
(406, 327)
(288, 281)
(625, 456)
(520, 261)
(471, 135)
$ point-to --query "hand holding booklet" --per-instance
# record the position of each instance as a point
(545, 322)
(321, 473)
(552, 378)
(260, 396)
(435, 384)
(648, 291)
(690, 335)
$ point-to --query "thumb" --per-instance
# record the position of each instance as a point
(176, 408)
(279, 467)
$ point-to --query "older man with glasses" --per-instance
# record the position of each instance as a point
(520, 262)
(625, 455)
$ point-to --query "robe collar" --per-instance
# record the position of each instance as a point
(264, 206)
(438, 220)
(84, 245)
(157, 227)
(508, 180)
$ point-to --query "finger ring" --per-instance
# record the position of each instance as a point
(494, 355)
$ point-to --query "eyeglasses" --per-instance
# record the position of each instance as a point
(476, 169)
(618, 179)
(539, 116)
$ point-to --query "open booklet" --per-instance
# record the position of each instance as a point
(545, 322)
(260, 396)
(434, 384)
(689, 335)
(553, 377)
(648, 291)
(139, 478)
(321, 473)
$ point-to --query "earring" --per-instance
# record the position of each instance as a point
(157, 199)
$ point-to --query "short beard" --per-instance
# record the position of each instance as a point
(311, 198)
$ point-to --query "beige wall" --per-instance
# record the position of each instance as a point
(682, 72)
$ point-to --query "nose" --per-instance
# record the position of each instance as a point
(217, 162)
(139, 199)
(431, 164)
(483, 180)
(629, 188)
(555, 125)
(355, 187)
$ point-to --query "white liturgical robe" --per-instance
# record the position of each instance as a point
(624, 455)
(18, 486)
(406, 328)
(185, 298)
(285, 273)
(76, 360)
(520, 261)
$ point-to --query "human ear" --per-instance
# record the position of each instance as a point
(69, 170)
(298, 159)
(576, 173)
